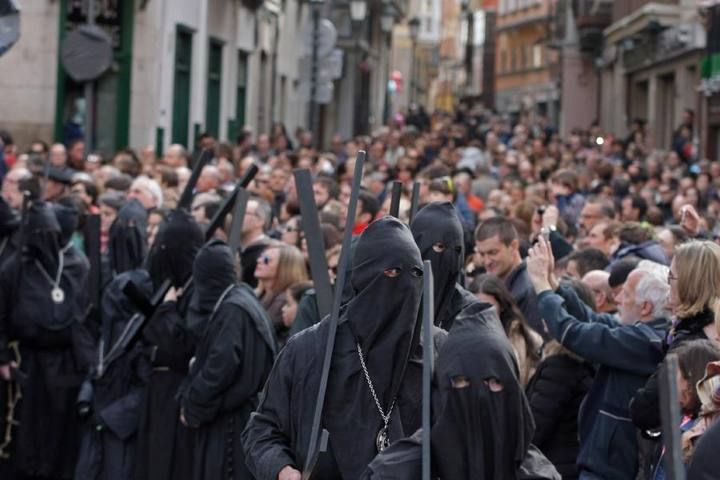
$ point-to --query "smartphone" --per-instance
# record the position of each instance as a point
(545, 232)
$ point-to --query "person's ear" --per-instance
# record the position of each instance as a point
(646, 309)
(600, 299)
(515, 245)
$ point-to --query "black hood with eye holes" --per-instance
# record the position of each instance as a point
(41, 243)
(382, 317)
(379, 300)
(482, 420)
(127, 242)
(438, 223)
(174, 250)
(213, 273)
(41, 236)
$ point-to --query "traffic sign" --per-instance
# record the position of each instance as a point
(327, 36)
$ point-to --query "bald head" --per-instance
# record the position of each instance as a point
(58, 155)
(175, 156)
(598, 282)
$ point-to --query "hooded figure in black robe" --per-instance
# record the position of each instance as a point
(9, 238)
(127, 240)
(165, 446)
(9, 244)
(482, 424)
(108, 444)
(439, 235)
(381, 320)
(232, 362)
(53, 351)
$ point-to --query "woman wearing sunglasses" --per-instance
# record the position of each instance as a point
(279, 266)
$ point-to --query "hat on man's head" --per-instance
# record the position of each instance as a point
(62, 175)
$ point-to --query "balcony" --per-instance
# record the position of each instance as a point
(590, 31)
(656, 44)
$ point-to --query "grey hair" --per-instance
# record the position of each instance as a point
(143, 181)
(263, 210)
(654, 288)
(650, 266)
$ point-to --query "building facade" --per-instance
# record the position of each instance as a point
(650, 60)
(526, 70)
(182, 67)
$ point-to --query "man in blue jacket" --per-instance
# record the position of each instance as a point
(627, 353)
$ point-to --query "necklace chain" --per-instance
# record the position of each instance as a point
(385, 416)
(58, 276)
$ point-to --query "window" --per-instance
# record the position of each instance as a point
(181, 86)
(236, 124)
(537, 56)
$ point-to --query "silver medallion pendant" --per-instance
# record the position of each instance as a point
(382, 441)
(57, 295)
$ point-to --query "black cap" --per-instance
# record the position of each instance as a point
(620, 270)
(60, 175)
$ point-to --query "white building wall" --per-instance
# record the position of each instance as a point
(153, 47)
(292, 24)
(154, 63)
(430, 15)
(29, 74)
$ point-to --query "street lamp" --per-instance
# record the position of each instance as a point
(313, 110)
(469, 54)
(358, 10)
(414, 24)
(387, 20)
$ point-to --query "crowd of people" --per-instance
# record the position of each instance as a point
(565, 270)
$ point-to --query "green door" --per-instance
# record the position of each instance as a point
(111, 105)
(241, 90)
(214, 88)
(181, 86)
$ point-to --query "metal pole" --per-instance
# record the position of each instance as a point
(427, 343)
(357, 78)
(89, 93)
(313, 76)
(413, 82)
(469, 53)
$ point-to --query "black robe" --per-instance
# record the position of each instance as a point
(403, 461)
(384, 324)
(165, 446)
(127, 241)
(439, 236)
(9, 244)
(55, 351)
(110, 432)
(482, 423)
(232, 362)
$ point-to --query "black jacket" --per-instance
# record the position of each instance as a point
(555, 393)
(645, 405)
